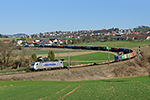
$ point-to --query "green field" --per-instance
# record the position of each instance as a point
(9, 39)
(124, 88)
(89, 57)
(38, 52)
(120, 44)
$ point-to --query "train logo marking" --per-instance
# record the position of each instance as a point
(50, 64)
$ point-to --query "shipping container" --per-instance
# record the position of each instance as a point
(125, 56)
(126, 51)
(104, 48)
(122, 57)
(78, 47)
(116, 58)
(128, 55)
(121, 49)
(119, 57)
(116, 49)
(26, 45)
(107, 48)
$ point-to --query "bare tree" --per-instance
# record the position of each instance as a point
(5, 53)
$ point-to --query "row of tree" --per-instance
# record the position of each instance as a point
(12, 57)
(3, 36)
(50, 57)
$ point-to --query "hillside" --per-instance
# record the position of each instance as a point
(18, 35)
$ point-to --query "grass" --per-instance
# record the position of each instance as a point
(89, 57)
(9, 39)
(120, 44)
(121, 88)
(13, 70)
(38, 52)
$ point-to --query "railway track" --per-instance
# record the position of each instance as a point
(44, 72)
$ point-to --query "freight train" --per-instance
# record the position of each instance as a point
(127, 53)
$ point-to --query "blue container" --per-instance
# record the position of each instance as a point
(126, 50)
(121, 49)
(41, 45)
(119, 57)
(65, 46)
(87, 47)
(92, 47)
(73, 47)
(95, 48)
(104, 48)
(116, 57)
(26, 45)
(54, 46)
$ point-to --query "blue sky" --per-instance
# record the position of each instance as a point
(35, 16)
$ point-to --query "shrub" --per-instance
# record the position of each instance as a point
(51, 55)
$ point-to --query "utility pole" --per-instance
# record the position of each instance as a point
(132, 44)
(139, 50)
(68, 60)
(108, 56)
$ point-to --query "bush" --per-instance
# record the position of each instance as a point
(51, 55)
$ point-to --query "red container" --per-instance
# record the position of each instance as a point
(78, 47)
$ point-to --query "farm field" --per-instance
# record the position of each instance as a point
(120, 44)
(9, 39)
(39, 52)
(46, 51)
(121, 88)
(92, 56)
(89, 57)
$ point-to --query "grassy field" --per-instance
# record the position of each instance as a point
(121, 88)
(38, 52)
(9, 39)
(121, 44)
(89, 57)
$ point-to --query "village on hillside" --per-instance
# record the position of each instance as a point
(71, 37)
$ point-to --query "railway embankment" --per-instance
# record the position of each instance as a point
(127, 68)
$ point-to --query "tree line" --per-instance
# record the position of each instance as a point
(12, 57)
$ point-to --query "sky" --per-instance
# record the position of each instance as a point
(35, 16)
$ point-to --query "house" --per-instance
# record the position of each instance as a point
(139, 37)
(148, 37)
(30, 42)
(19, 41)
(63, 41)
(6, 41)
(37, 40)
